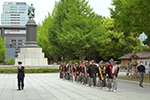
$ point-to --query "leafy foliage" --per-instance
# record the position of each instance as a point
(2, 49)
(119, 42)
(132, 16)
(10, 61)
(42, 70)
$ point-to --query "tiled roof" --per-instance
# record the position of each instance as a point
(139, 54)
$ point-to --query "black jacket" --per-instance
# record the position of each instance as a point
(92, 70)
(21, 73)
(141, 68)
(108, 71)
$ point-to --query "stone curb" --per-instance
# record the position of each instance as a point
(133, 82)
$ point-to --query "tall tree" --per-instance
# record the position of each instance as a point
(43, 35)
(133, 16)
(119, 42)
(2, 49)
(81, 29)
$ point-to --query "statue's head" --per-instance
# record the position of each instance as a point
(31, 4)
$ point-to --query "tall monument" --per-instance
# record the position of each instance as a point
(31, 53)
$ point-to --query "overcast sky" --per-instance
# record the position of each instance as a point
(44, 6)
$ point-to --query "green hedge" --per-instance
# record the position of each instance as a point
(41, 70)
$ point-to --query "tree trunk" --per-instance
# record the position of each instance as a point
(134, 71)
(70, 56)
(148, 41)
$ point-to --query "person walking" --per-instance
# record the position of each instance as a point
(92, 74)
(20, 76)
(64, 71)
(111, 74)
(70, 66)
(141, 72)
(101, 74)
(60, 70)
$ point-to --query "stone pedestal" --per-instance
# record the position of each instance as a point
(31, 34)
(31, 56)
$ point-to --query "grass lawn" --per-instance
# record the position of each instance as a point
(146, 78)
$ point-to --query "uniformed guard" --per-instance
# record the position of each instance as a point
(92, 74)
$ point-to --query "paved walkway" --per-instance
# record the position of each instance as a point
(49, 87)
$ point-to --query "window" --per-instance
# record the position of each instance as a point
(13, 40)
(19, 43)
(19, 40)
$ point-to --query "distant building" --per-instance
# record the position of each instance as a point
(15, 14)
(10, 51)
(142, 37)
(143, 56)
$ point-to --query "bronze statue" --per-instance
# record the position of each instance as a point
(31, 12)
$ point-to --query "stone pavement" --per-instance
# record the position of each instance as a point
(49, 87)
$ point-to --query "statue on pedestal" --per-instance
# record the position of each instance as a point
(134, 63)
(31, 13)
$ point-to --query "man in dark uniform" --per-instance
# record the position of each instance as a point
(92, 74)
(141, 71)
(60, 70)
(20, 76)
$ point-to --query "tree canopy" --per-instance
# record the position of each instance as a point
(74, 31)
(132, 16)
(119, 42)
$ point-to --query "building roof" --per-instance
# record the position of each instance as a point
(139, 54)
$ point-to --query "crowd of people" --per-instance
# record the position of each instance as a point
(86, 73)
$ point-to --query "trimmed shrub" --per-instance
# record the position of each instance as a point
(10, 61)
(42, 70)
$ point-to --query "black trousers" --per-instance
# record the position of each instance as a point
(20, 82)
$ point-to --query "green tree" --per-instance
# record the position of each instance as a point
(119, 42)
(132, 16)
(43, 34)
(80, 29)
(2, 49)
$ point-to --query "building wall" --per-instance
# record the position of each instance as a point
(15, 14)
(10, 53)
(124, 62)
(17, 42)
